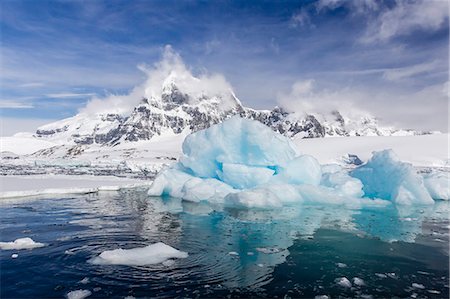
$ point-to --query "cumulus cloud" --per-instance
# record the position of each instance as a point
(170, 68)
(305, 98)
(407, 16)
(426, 109)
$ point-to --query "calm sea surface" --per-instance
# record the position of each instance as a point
(299, 251)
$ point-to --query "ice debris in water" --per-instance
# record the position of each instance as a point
(385, 176)
(344, 282)
(151, 254)
(22, 243)
(242, 162)
(79, 294)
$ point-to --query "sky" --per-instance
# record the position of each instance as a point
(387, 57)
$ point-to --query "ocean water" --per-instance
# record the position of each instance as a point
(299, 251)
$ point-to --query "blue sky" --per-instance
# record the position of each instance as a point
(386, 57)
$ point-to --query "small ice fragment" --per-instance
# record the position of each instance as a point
(250, 253)
(22, 243)
(151, 254)
(233, 253)
(358, 281)
(392, 275)
(268, 250)
(129, 297)
(84, 280)
(260, 265)
(380, 275)
(433, 291)
(423, 272)
(14, 255)
(344, 282)
(78, 294)
(341, 265)
(418, 286)
(322, 297)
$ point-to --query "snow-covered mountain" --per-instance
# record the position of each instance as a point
(176, 109)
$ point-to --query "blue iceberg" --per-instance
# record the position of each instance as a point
(385, 176)
(242, 162)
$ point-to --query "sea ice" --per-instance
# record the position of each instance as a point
(79, 294)
(385, 176)
(152, 254)
(438, 185)
(22, 243)
(344, 282)
(243, 163)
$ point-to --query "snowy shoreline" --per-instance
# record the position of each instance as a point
(36, 185)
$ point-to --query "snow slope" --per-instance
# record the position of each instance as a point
(420, 150)
(23, 145)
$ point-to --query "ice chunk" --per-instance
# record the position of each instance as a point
(418, 286)
(358, 281)
(151, 254)
(212, 190)
(302, 170)
(438, 185)
(22, 243)
(344, 282)
(254, 198)
(243, 177)
(79, 294)
(385, 176)
(343, 184)
(235, 141)
(169, 182)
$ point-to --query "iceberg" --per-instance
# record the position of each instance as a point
(385, 176)
(244, 163)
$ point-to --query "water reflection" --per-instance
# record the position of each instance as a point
(228, 248)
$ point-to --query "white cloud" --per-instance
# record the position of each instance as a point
(69, 95)
(300, 19)
(397, 74)
(14, 104)
(171, 67)
(358, 6)
(407, 16)
(426, 109)
(31, 85)
(305, 98)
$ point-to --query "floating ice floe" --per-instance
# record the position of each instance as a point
(152, 254)
(78, 294)
(242, 162)
(22, 243)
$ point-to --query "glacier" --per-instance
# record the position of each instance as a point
(244, 163)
